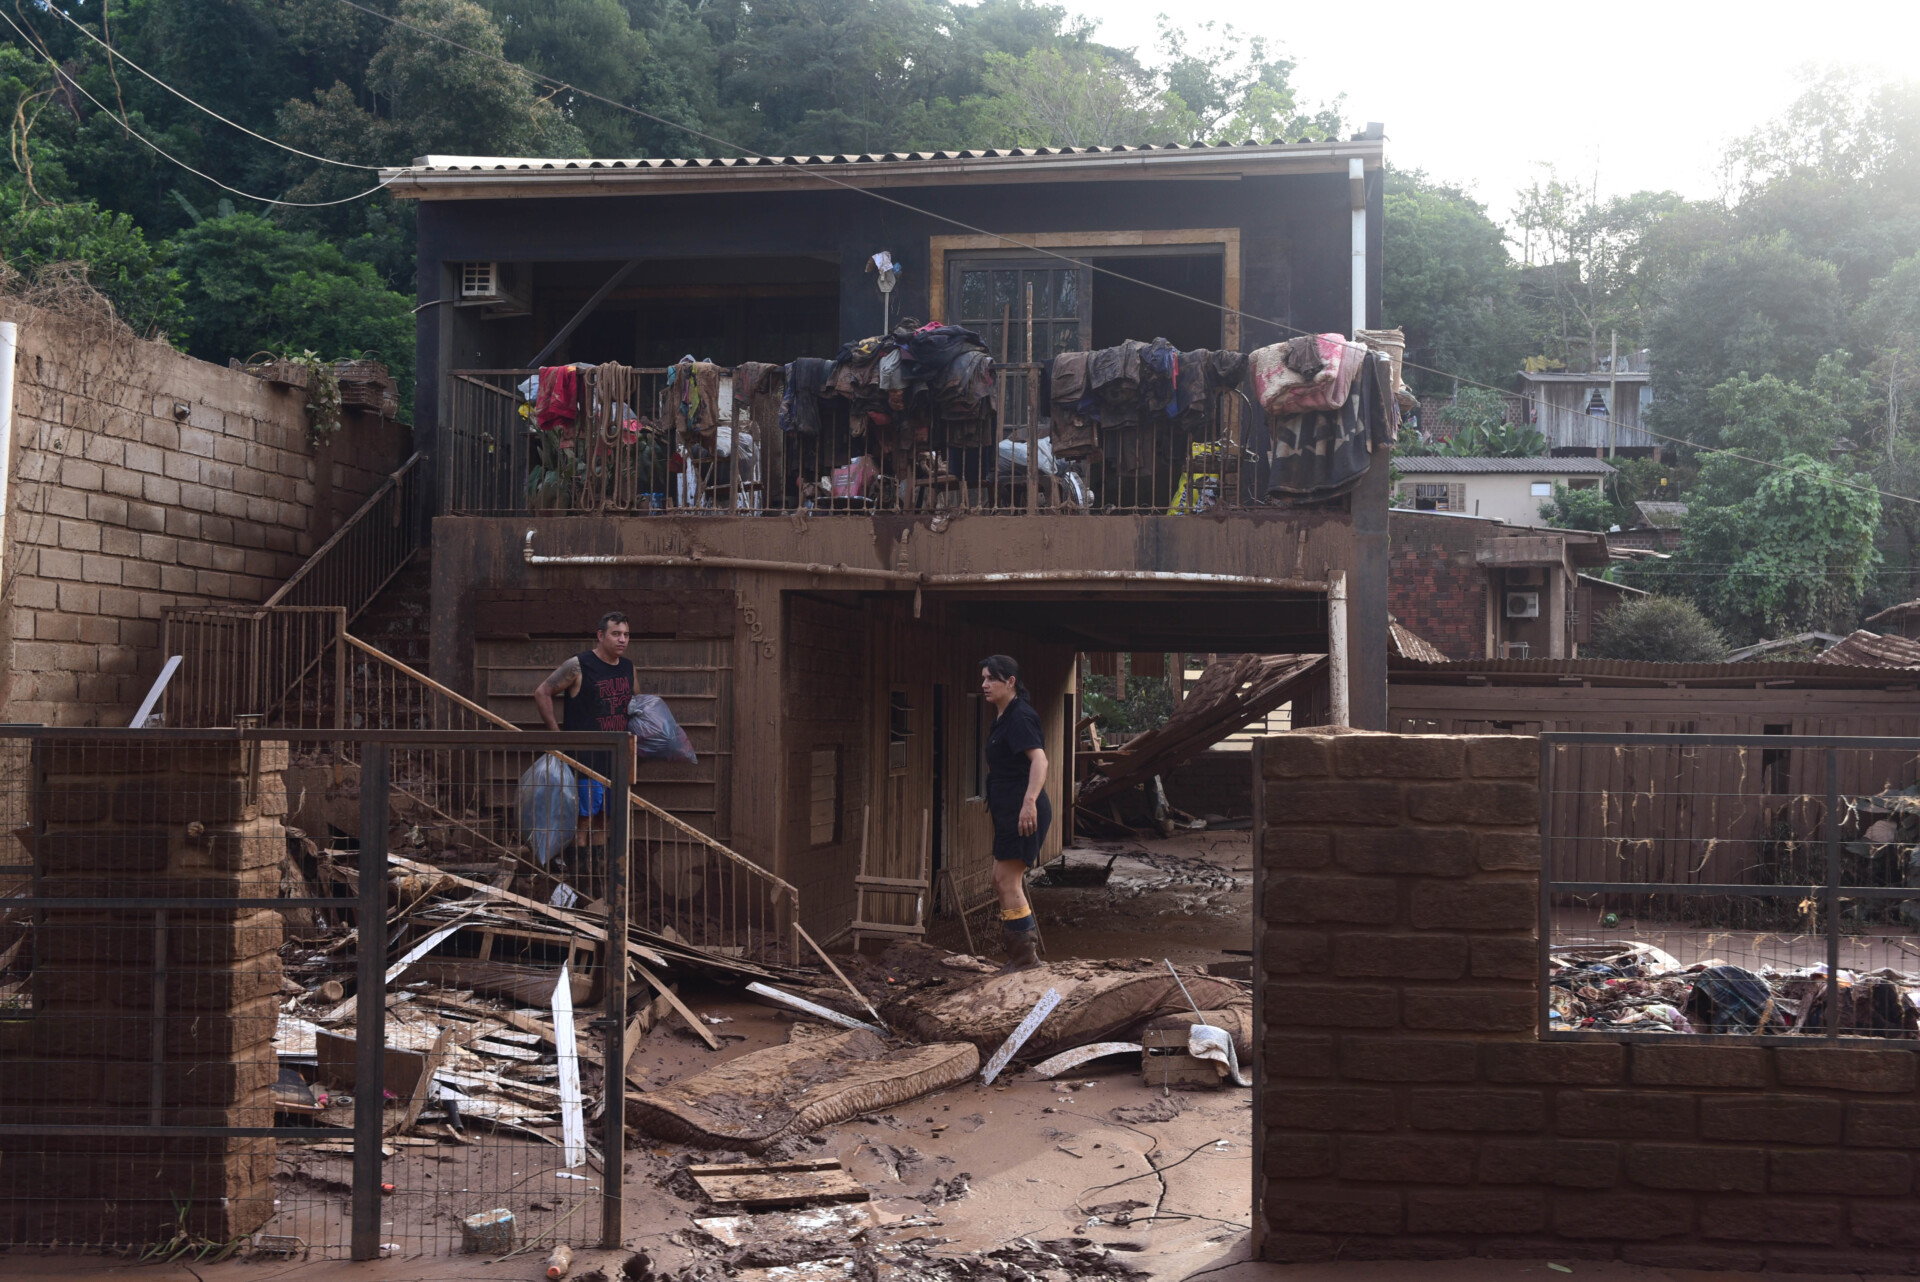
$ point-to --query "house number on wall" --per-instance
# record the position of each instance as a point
(757, 634)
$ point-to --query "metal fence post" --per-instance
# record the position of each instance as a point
(370, 1015)
(1833, 893)
(619, 851)
(1545, 994)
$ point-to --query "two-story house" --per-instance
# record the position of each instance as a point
(813, 595)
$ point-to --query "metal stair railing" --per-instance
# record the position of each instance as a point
(351, 568)
(709, 894)
(298, 666)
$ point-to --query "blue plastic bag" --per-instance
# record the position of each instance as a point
(548, 804)
(657, 736)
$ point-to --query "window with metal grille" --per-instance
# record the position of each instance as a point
(823, 816)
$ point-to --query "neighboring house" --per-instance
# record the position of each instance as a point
(1597, 414)
(1656, 528)
(1899, 620)
(1475, 588)
(822, 650)
(1505, 489)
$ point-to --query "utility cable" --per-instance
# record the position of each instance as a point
(750, 153)
(169, 156)
(113, 53)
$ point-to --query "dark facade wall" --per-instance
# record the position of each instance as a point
(1408, 1108)
(1296, 243)
(1434, 586)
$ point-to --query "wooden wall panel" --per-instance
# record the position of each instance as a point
(1686, 814)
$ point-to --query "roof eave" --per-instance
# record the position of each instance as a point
(464, 177)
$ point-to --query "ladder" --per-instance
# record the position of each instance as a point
(866, 884)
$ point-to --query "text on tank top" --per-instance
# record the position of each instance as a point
(601, 701)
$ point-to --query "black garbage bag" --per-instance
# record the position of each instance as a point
(657, 736)
(1730, 999)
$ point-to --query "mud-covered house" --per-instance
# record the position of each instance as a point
(812, 578)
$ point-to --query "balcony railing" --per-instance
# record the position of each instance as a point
(496, 461)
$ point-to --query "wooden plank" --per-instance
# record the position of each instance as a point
(780, 1186)
(694, 1022)
(886, 928)
(424, 1087)
(903, 883)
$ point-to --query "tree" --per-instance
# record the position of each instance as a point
(1579, 509)
(1656, 629)
(137, 277)
(1798, 556)
(1448, 281)
(1474, 425)
(1758, 307)
(253, 286)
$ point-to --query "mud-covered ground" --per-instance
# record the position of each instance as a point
(1018, 1181)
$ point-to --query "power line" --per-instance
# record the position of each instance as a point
(561, 85)
(113, 53)
(169, 156)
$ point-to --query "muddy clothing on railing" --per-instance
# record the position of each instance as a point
(693, 400)
(800, 409)
(1324, 453)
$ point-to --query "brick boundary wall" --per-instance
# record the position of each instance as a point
(142, 478)
(173, 819)
(1435, 587)
(1407, 1108)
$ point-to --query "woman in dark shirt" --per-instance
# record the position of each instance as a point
(1017, 800)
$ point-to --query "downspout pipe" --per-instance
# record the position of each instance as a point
(1357, 191)
(909, 578)
(1337, 660)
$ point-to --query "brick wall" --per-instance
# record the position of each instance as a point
(1434, 585)
(142, 478)
(179, 818)
(1407, 1108)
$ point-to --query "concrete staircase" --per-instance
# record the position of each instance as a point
(397, 620)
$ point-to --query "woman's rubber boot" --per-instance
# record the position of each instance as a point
(1022, 944)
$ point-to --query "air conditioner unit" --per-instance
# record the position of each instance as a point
(494, 287)
(1523, 605)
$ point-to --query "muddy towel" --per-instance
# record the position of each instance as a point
(792, 1090)
(1100, 1001)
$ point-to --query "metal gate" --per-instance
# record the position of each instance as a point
(222, 1031)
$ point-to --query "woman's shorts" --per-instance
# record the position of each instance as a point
(1007, 841)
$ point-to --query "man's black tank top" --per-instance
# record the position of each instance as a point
(601, 701)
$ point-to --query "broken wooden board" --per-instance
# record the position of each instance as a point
(1230, 695)
(768, 1095)
(769, 1186)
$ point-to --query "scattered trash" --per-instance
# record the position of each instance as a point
(1639, 987)
(1018, 1038)
(559, 1262)
(487, 1232)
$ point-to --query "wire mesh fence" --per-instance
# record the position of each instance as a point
(1730, 885)
(255, 998)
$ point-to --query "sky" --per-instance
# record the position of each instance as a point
(1642, 97)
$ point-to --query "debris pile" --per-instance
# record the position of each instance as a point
(1636, 987)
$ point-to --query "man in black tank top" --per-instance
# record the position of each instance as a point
(595, 686)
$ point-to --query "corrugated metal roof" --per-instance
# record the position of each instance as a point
(451, 173)
(1408, 644)
(1870, 650)
(1542, 671)
(1662, 515)
(1534, 466)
